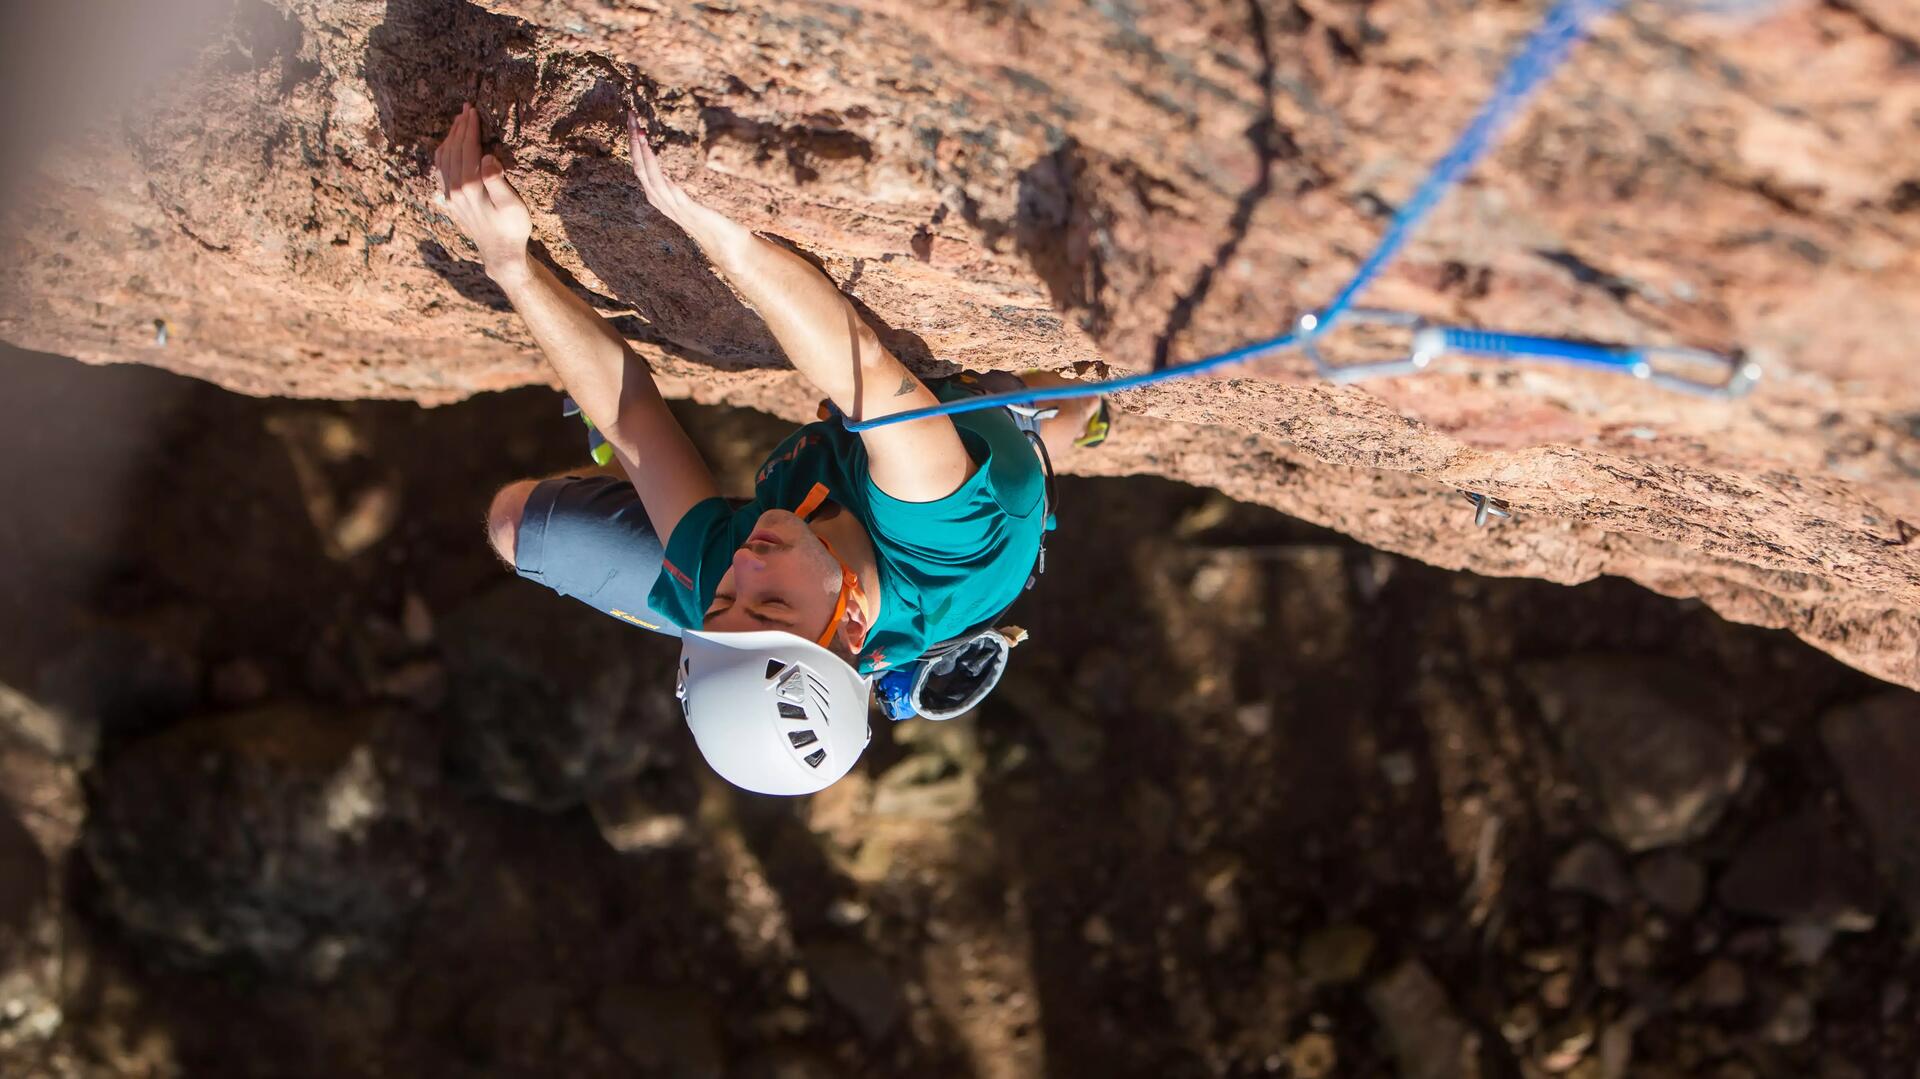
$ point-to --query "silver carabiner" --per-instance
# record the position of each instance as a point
(1741, 375)
(1427, 344)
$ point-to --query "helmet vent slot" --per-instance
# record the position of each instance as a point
(802, 738)
(814, 758)
(792, 711)
(774, 667)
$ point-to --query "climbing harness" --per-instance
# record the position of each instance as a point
(1563, 25)
(953, 676)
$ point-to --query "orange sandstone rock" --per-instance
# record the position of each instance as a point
(1017, 183)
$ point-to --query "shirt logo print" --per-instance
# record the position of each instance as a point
(685, 581)
(624, 616)
(805, 442)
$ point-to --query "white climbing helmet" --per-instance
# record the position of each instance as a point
(771, 712)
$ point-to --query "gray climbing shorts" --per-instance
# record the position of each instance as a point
(588, 537)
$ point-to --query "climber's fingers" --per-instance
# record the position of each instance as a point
(448, 158)
(441, 163)
(636, 145)
(494, 177)
(665, 195)
(466, 171)
(466, 150)
(645, 166)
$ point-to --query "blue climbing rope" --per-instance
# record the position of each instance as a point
(1543, 54)
(1564, 25)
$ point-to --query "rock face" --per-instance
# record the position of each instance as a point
(283, 837)
(1655, 760)
(1006, 185)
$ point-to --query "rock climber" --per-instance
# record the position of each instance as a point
(854, 553)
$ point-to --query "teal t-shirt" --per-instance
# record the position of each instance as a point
(945, 566)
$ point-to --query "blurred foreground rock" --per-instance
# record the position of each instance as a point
(1428, 1040)
(1649, 740)
(289, 838)
(1671, 881)
(1799, 871)
(1593, 869)
(637, 818)
(553, 702)
(1876, 745)
(115, 681)
(40, 816)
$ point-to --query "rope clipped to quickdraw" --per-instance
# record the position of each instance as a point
(1686, 370)
(1543, 53)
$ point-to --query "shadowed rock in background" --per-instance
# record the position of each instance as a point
(289, 838)
(1253, 775)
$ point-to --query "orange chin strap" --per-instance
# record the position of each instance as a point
(850, 589)
(812, 502)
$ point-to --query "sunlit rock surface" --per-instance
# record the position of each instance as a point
(1029, 184)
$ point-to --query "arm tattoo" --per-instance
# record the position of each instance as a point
(906, 386)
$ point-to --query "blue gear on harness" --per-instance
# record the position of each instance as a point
(952, 678)
(1563, 25)
(955, 675)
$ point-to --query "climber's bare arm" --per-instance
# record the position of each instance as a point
(611, 384)
(826, 339)
(615, 388)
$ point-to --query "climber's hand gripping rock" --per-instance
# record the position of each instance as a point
(474, 192)
(602, 373)
(709, 228)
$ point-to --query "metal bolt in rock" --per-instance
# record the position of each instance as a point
(1485, 506)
